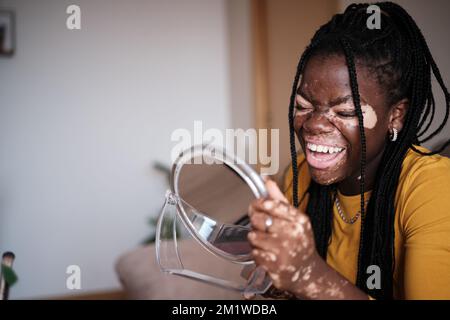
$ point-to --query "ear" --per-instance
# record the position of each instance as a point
(397, 114)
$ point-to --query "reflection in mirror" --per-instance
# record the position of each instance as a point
(216, 199)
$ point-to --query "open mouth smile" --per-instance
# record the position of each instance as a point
(324, 156)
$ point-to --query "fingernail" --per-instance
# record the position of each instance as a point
(251, 235)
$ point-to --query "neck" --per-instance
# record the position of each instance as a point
(351, 185)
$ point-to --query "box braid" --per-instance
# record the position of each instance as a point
(398, 56)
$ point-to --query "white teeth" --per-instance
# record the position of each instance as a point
(324, 149)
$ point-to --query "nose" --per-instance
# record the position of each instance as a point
(317, 123)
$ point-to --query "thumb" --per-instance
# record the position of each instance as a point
(274, 191)
(249, 296)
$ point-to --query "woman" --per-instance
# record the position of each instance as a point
(366, 210)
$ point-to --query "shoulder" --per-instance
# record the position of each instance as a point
(424, 193)
(419, 171)
(418, 164)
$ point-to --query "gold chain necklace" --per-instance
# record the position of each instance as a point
(353, 219)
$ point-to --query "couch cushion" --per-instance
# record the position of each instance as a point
(141, 277)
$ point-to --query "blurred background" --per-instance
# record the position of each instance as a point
(85, 113)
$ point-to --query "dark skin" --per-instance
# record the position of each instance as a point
(325, 113)
(326, 80)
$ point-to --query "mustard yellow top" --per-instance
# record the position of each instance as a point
(422, 227)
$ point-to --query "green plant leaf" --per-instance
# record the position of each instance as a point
(9, 275)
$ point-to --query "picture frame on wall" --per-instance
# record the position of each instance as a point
(7, 33)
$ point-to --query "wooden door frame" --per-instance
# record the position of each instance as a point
(260, 64)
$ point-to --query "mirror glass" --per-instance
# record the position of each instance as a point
(215, 199)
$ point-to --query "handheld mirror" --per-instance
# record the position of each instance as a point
(208, 205)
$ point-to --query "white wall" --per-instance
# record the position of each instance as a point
(432, 18)
(82, 116)
(241, 72)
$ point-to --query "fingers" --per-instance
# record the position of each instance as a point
(255, 205)
(265, 259)
(275, 192)
(259, 219)
(264, 241)
(274, 208)
(248, 296)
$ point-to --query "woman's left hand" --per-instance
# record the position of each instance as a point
(283, 241)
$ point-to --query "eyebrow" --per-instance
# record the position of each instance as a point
(340, 100)
(305, 97)
(334, 102)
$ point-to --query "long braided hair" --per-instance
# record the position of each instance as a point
(398, 56)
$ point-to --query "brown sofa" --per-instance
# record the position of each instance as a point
(141, 277)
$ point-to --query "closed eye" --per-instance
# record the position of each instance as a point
(301, 104)
(347, 114)
(300, 107)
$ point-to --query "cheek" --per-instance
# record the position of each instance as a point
(300, 118)
(377, 138)
(345, 124)
(349, 128)
(370, 116)
(374, 128)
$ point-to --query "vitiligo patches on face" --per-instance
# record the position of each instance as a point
(369, 114)
(303, 102)
(370, 117)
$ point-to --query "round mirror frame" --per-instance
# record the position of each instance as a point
(247, 173)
